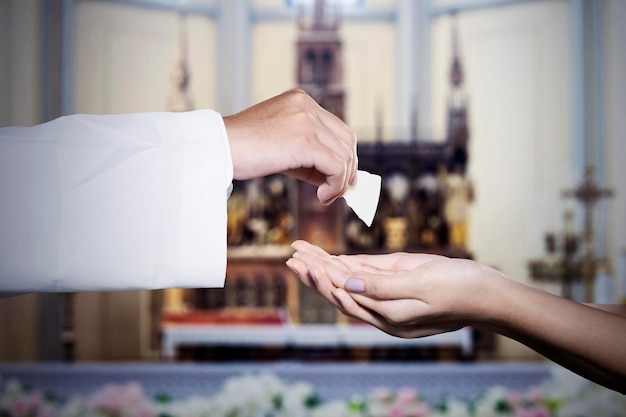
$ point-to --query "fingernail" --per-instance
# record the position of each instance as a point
(312, 275)
(355, 285)
(289, 264)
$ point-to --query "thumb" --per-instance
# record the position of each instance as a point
(382, 287)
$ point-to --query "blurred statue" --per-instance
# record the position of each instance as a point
(281, 221)
(458, 193)
(396, 221)
(431, 229)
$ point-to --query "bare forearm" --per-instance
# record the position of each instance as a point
(565, 359)
(587, 340)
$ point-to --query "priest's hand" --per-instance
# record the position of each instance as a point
(292, 134)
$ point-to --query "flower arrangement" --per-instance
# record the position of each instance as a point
(15, 401)
(266, 395)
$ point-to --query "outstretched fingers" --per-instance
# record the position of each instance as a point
(314, 275)
(350, 273)
(386, 286)
(306, 247)
(350, 307)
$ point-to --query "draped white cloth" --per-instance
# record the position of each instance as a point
(115, 202)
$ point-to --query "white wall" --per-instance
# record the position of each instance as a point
(517, 72)
(370, 78)
(273, 59)
(125, 56)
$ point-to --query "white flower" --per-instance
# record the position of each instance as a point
(266, 395)
(336, 408)
(377, 409)
(194, 406)
(262, 395)
(489, 403)
(595, 401)
(563, 383)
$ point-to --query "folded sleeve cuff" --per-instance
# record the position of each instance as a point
(206, 175)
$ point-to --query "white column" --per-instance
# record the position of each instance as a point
(234, 55)
(406, 49)
(423, 69)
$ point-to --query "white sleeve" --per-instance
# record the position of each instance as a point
(120, 202)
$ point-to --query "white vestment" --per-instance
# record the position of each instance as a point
(118, 202)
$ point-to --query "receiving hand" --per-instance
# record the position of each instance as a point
(415, 295)
(407, 295)
(292, 134)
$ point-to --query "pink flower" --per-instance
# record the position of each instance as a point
(108, 399)
(143, 411)
(126, 400)
(419, 410)
(407, 396)
(395, 410)
(515, 399)
(381, 394)
(534, 395)
(46, 412)
(536, 411)
(26, 405)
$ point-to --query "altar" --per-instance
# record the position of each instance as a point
(293, 336)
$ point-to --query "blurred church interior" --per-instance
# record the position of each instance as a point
(497, 126)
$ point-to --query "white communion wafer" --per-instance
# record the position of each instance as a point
(363, 198)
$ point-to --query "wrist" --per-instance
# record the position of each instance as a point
(238, 153)
(490, 296)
